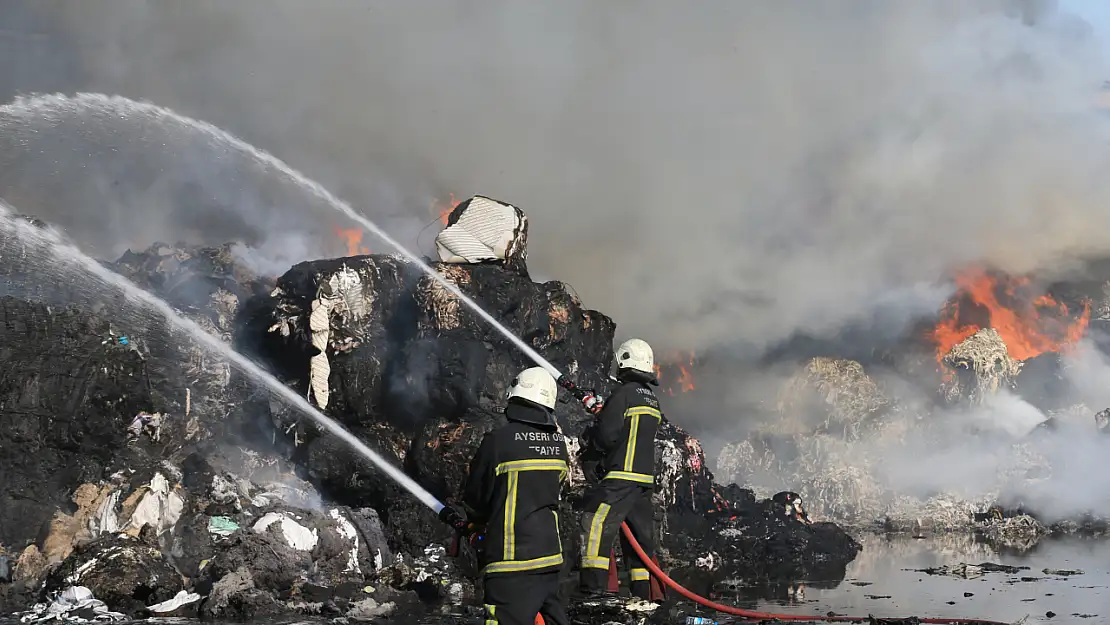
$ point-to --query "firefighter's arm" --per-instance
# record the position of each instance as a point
(479, 490)
(610, 422)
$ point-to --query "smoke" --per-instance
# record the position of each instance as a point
(726, 173)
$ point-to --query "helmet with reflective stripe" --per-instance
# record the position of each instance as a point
(535, 385)
(636, 354)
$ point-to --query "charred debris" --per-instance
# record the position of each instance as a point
(143, 476)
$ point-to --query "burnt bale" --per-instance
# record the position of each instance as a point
(441, 452)
(479, 363)
(234, 597)
(274, 566)
(126, 573)
(829, 395)
(402, 363)
(982, 366)
(67, 398)
(204, 283)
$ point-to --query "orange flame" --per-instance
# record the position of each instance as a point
(352, 238)
(684, 379)
(1030, 324)
(443, 209)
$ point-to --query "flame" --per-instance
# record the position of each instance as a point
(1030, 324)
(443, 209)
(352, 238)
(683, 381)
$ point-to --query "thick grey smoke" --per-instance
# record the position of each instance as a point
(703, 173)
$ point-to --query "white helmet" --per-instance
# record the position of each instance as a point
(536, 385)
(636, 355)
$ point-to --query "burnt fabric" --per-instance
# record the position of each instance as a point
(513, 490)
(610, 503)
(517, 599)
(625, 433)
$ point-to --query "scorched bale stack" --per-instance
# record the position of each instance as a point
(395, 356)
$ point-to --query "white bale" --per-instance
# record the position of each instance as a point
(486, 230)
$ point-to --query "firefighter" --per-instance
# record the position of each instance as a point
(624, 433)
(513, 492)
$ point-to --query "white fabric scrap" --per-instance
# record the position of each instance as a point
(72, 599)
(486, 230)
(296, 535)
(181, 599)
(160, 507)
(347, 530)
(319, 369)
(106, 521)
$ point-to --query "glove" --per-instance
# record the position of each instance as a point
(592, 402)
(455, 517)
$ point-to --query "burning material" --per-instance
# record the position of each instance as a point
(443, 209)
(676, 374)
(352, 237)
(1029, 323)
(982, 367)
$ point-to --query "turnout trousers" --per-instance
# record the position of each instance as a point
(517, 599)
(609, 504)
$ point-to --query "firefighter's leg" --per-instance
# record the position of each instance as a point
(513, 599)
(642, 523)
(554, 609)
(606, 508)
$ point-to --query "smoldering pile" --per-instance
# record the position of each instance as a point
(977, 420)
(144, 476)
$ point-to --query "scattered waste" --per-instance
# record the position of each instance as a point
(74, 604)
(160, 507)
(296, 535)
(182, 598)
(347, 530)
(368, 609)
(1062, 572)
(970, 571)
(149, 423)
(222, 527)
(877, 596)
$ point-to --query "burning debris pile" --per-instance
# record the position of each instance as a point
(143, 476)
(846, 435)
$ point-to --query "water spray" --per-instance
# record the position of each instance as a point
(39, 105)
(65, 252)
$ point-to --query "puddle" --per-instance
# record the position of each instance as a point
(885, 580)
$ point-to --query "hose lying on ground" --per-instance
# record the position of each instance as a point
(751, 614)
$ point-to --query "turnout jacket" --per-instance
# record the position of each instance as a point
(625, 433)
(514, 490)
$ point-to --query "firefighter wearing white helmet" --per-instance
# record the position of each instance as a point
(534, 385)
(625, 435)
(512, 492)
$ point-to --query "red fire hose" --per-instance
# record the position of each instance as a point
(750, 614)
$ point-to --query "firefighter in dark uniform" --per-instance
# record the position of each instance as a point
(625, 434)
(513, 491)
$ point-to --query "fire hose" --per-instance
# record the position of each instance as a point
(593, 404)
(751, 614)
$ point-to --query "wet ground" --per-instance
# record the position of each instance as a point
(886, 581)
(883, 581)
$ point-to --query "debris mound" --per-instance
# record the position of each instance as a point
(144, 476)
